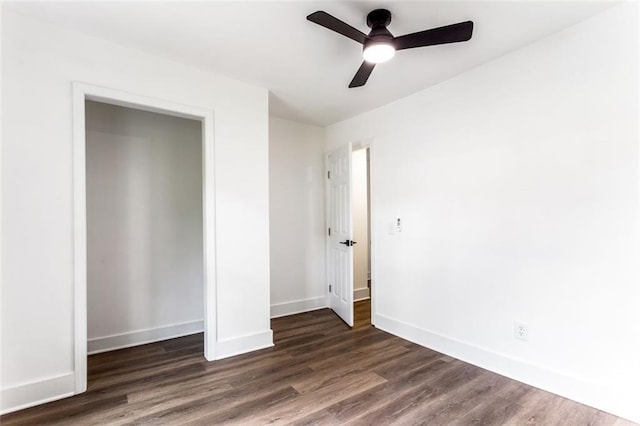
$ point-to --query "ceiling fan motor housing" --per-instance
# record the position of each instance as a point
(378, 20)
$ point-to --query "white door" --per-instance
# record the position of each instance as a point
(339, 223)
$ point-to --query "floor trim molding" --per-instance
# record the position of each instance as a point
(240, 345)
(141, 337)
(622, 404)
(298, 306)
(37, 392)
(360, 294)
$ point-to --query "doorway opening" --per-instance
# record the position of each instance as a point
(350, 275)
(144, 227)
(143, 224)
(361, 213)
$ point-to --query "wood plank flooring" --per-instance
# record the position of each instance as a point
(320, 372)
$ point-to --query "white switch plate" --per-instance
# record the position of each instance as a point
(392, 228)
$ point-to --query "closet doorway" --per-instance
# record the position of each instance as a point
(143, 223)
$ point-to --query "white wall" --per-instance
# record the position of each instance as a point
(360, 214)
(144, 226)
(518, 186)
(296, 189)
(39, 63)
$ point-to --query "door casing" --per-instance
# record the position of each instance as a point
(81, 93)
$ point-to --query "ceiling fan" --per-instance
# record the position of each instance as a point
(380, 45)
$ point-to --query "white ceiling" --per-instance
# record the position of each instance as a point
(306, 67)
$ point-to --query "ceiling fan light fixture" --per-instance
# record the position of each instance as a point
(378, 52)
(380, 45)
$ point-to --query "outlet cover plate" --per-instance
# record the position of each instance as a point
(521, 331)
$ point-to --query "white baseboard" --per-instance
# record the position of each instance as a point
(619, 403)
(141, 337)
(35, 393)
(298, 306)
(42, 391)
(240, 345)
(360, 294)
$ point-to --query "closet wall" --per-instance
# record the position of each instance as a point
(144, 226)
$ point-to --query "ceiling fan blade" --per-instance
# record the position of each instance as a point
(362, 75)
(461, 31)
(334, 24)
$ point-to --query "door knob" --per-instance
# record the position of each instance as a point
(348, 243)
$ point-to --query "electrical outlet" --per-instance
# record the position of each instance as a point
(521, 331)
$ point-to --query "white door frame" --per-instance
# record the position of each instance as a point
(81, 93)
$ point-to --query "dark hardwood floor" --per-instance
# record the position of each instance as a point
(319, 372)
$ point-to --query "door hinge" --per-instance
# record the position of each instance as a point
(329, 231)
(329, 288)
(328, 175)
